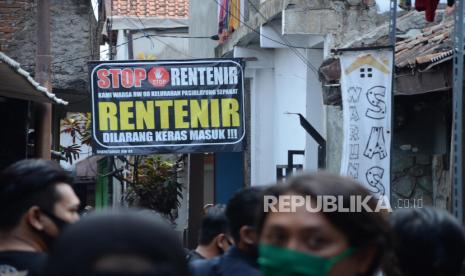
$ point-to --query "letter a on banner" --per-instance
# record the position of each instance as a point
(366, 84)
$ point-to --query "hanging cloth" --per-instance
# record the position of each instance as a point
(234, 14)
(223, 16)
(429, 7)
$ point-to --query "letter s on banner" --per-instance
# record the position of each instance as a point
(366, 85)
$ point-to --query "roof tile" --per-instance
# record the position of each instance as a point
(432, 45)
(152, 8)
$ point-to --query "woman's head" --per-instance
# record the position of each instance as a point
(340, 243)
(428, 242)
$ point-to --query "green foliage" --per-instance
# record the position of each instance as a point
(155, 185)
(71, 152)
(78, 126)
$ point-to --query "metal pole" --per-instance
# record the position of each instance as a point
(393, 22)
(457, 202)
(196, 197)
(43, 124)
(110, 32)
(392, 42)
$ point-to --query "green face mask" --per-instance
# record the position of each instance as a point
(278, 261)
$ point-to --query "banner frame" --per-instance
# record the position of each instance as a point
(166, 148)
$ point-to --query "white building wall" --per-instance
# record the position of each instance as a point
(315, 112)
(160, 47)
(276, 91)
(290, 82)
(203, 21)
(122, 49)
(263, 168)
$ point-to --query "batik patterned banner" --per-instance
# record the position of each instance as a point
(366, 84)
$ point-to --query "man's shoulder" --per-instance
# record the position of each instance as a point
(236, 262)
(224, 265)
(193, 255)
(205, 267)
(17, 261)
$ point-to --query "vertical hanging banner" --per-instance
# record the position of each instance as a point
(167, 106)
(366, 84)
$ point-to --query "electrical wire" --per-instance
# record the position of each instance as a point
(213, 37)
(174, 49)
(296, 52)
(161, 41)
(89, 56)
(258, 32)
(143, 25)
(294, 49)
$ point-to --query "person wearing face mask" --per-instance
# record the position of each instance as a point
(36, 203)
(312, 242)
(214, 238)
(241, 259)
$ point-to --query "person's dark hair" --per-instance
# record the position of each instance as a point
(213, 224)
(118, 243)
(428, 242)
(242, 210)
(28, 183)
(362, 229)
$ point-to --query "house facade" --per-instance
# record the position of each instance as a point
(73, 41)
(422, 108)
(283, 42)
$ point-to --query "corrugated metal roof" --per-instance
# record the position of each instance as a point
(16, 82)
(151, 8)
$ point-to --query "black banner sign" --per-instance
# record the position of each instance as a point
(167, 106)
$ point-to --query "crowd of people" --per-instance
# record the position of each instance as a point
(41, 234)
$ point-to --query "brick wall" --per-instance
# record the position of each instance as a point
(18, 31)
(74, 34)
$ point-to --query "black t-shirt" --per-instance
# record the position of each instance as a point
(22, 261)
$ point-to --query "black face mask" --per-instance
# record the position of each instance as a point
(60, 223)
(48, 239)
